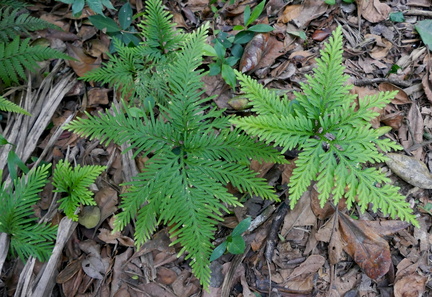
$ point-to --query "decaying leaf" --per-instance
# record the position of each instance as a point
(370, 251)
(253, 52)
(301, 278)
(409, 283)
(84, 63)
(400, 98)
(410, 170)
(373, 10)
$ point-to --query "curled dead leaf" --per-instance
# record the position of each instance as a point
(410, 170)
(373, 10)
(253, 52)
(370, 251)
(400, 98)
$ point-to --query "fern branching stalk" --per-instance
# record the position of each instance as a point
(334, 134)
(193, 154)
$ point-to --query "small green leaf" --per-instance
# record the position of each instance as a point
(103, 23)
(261, 28)
(397, 17)
(129, 39)
(424, 28)
(209, 51)
(231, 60)
(237, 50)
(246, 15)
(255, 13)
(96, 6)
(215, 69)
(219, 49)
(3, 141)
(241, 227)
(125, 16)
(237, 245)
(239, 28)
(77, 7)
(218, 251)
(394, 68)
(300, 34)
(244, 37)
(13, 161)
(107, 4)
(330, 2)
(228, 75)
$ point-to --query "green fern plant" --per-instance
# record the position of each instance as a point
(140, 71)
(192, 153)
(27, 238)
(334, 134)
(75, 183)
(18, 55)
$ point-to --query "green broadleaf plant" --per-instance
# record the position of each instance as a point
(234, 243)
(334, 134)
(96, 5)
(193, 154)
(75, 183)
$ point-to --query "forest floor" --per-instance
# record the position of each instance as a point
(294, 252)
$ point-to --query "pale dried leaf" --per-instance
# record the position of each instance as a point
(410, 169)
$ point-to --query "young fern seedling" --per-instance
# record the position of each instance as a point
(334, 134)
(75, 182)
(192, 153)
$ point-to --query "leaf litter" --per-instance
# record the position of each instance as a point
(317, 252)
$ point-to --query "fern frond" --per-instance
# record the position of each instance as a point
(266, 102)
(19, 55)
(17, 216)
(284, 130)
(12, 23)
(183, 183)
(334, 133)
(75, 182)
(6, 105)
(159, 32)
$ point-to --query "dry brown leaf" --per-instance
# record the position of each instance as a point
(329, 233)
(408, 282)
(393, 120)
(185, 284)
(98, 96)
(84, 63)
(165, 275)
(274, 49)
(370, 251)
(301, 215)
(400, 98)
(373, 10)
(382, 46)
(69, 271)
(261, 167)
(290, 12)
(253, 52)
(95, 267)
(410, 170)
(309, 10)
(427, 84)
(302, 276)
